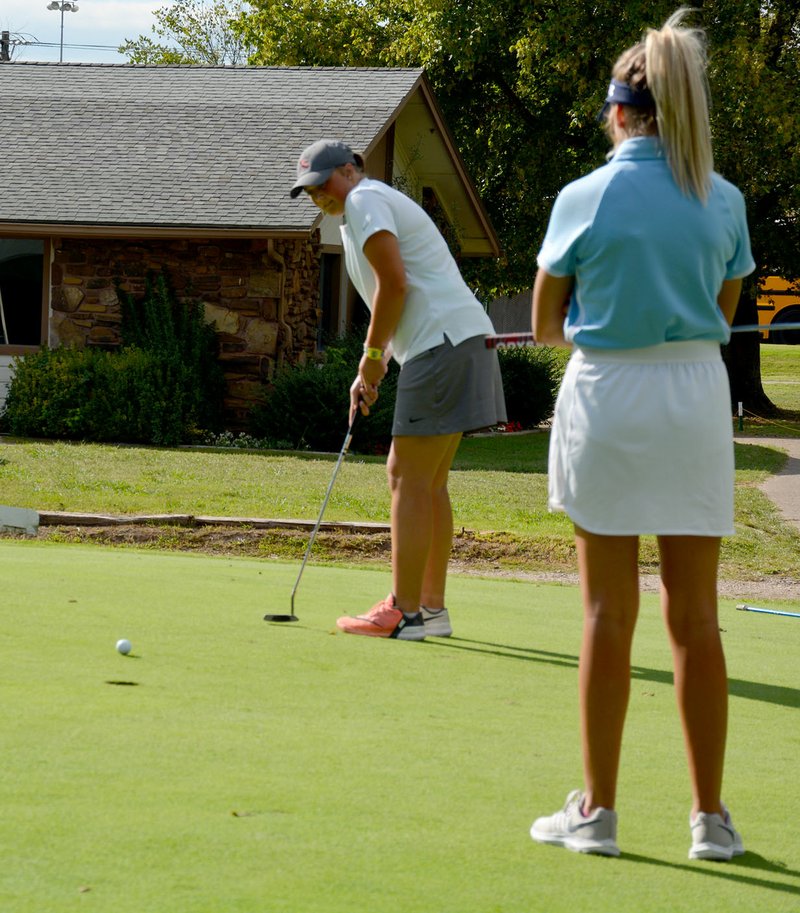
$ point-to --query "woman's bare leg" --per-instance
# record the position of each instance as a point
(610, 587)
(689, 604)
(422, 523)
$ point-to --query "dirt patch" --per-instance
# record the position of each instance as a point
(487, 555)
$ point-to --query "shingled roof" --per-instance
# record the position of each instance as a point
(178, 147)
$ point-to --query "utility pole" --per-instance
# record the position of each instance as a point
(5, 47)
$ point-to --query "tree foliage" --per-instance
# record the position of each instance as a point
(755, 75)
(192, 31)
(520, 84)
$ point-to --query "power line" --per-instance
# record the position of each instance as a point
(56, 44)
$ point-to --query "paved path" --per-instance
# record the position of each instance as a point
(783, 489)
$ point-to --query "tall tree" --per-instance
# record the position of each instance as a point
(193, 31)
(755, 77)
(521, 82)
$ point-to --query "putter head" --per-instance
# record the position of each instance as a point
(281, 618)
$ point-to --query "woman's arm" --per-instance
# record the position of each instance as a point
(728, 298)
(382, 251)
(550, 303)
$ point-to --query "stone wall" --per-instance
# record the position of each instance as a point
(261, 295)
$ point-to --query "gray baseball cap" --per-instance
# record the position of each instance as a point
(318, 162)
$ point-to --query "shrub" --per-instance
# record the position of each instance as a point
(93, 395)
(531, 376)
(308, 406)
(49, 392)
(177, 333)
(158, 389)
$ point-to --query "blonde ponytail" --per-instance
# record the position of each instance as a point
(675, 64)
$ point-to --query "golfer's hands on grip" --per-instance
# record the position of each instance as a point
(364, 389)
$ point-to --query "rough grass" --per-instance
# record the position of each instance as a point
(498, 488)
(780, 377)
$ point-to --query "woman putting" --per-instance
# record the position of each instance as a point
(425, 317)
(640, 271)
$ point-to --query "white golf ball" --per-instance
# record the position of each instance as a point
(124, 646)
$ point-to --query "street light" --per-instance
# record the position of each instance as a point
(65, 6)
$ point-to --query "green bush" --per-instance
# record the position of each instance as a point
(177, 333)
(308, 406)
(49, 391)
(531, 377)
(94, 395)
(159, 388)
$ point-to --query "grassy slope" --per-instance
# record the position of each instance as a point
(498, 486)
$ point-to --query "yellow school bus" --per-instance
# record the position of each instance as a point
(779, 302)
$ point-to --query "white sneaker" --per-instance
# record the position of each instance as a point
(714, 837)
(437, 622)
(571, 829)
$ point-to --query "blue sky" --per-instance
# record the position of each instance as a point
(97, 22)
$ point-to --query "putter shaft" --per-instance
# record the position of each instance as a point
(314, 532)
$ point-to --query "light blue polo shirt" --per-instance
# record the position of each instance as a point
(648, 260)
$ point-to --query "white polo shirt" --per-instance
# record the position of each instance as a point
(438, 302)
(648, 260)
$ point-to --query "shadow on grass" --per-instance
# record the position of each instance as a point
(754, 691)
(735, 870)
(758, 456)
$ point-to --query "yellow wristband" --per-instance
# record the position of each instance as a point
(373, 354)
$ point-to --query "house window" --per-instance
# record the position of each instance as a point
(22, 312)
(329, 297)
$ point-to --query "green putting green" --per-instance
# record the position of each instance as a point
(231, 765)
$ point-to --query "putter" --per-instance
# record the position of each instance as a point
(495, 340)
(751, 608)
(291, 616)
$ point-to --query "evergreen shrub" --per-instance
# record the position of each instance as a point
(307, 406)
(159, 388)
(531, 377)
(176, 332)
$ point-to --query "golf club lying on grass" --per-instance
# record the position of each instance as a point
(342, 452)
(527, 339)
(751, 608)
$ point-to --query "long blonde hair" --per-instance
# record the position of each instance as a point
(671, 63)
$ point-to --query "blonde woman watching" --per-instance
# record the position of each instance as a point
(640, 271)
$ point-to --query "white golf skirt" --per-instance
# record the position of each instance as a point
(642, 441)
